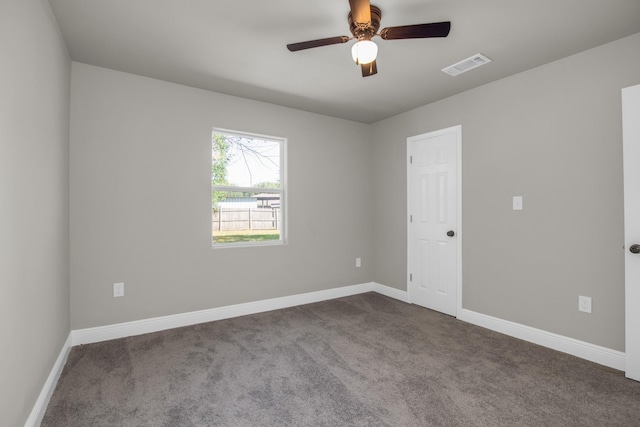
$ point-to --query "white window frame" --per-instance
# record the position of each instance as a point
(282, 191)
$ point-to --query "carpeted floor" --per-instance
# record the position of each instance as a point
(365, 360)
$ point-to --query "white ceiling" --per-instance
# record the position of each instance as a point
(239, 47)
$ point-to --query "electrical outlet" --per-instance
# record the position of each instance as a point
(517, 203)
(584, 304)
(358, 262)
(118, 289)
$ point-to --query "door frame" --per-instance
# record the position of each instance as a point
(457, 130)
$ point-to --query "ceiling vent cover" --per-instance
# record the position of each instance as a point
(465, 65)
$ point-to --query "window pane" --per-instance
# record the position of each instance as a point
(246, 217)
(242, 161)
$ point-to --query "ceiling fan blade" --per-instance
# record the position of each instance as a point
(418, 31)
(369, 69)
(360, 11)
(294, 47)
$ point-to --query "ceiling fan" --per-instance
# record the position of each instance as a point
(364, 21)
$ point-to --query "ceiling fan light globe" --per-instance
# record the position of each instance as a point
(364, 52)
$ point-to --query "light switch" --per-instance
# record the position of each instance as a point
(517, 203)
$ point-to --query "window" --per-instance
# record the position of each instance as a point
(247, 189)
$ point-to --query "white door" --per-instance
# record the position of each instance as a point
(631, 145)
(434, 220)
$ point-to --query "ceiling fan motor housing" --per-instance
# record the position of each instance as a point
(366, 30)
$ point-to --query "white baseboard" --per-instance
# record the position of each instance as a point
(40, 407)
(138, 327)
(145, 326)
(390, 292)
(602, 355)
(594, 353)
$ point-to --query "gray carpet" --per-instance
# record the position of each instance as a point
(365, 360)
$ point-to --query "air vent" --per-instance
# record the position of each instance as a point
(465, 65)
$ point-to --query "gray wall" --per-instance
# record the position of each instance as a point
(34, 196)
(140, 201)
(553, 135)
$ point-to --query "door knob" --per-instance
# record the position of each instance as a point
(450, 233)
(634, 249)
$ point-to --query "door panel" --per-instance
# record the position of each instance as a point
(433, 208)
(631, 145)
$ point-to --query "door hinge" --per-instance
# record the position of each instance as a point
(410, 277)
(410, 218)
(410, 160)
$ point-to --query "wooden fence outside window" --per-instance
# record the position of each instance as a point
(241, 219)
